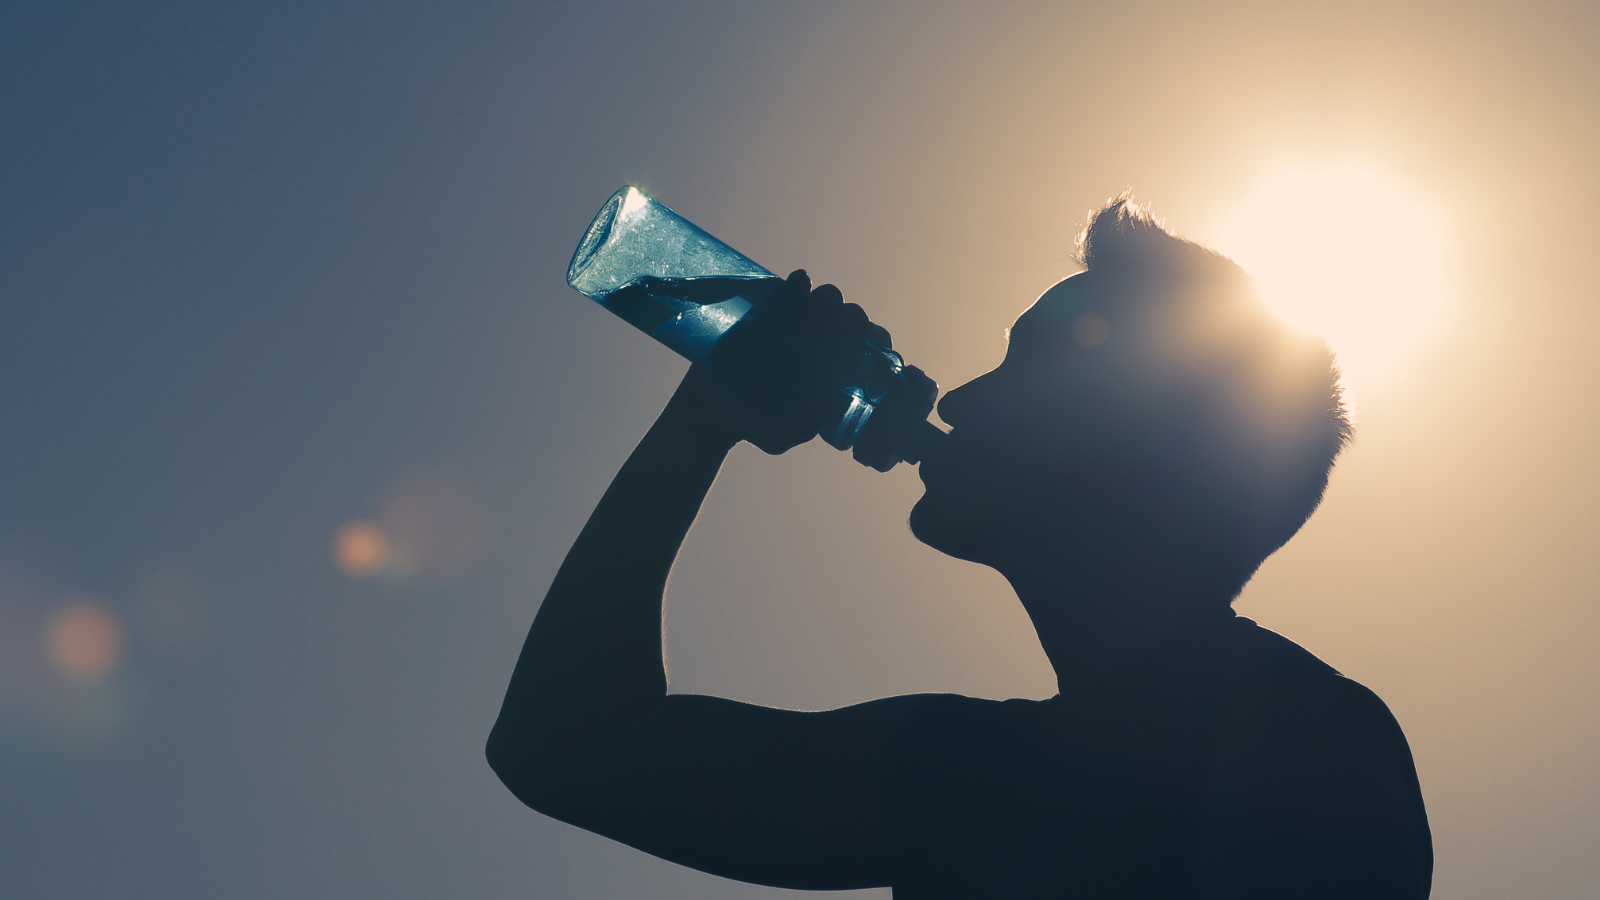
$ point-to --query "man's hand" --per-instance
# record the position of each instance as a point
(771, 378)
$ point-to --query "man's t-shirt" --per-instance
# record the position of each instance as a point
(1226, 762)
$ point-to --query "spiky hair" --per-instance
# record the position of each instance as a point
(1276, 417)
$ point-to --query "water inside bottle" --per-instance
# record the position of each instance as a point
(688, 314)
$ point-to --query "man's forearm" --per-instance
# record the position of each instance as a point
(593, 655)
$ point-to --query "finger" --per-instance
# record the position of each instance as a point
(853, 317)
(879, 336)
(852, 321)
(798, 283)
(826, 296)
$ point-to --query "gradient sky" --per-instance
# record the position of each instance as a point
(266, 269)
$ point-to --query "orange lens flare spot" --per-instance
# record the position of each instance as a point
(85, 640)
(361, 549)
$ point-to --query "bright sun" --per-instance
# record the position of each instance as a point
(1342, 253)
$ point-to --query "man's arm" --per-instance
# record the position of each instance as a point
(588, 734)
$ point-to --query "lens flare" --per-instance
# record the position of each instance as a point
(361, 549)
(85, 640)
(434, 526)
(1342, 253)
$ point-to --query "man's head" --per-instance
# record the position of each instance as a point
(1150, 416)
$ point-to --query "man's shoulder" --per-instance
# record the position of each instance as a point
(1234, 682)
(1310, 772)
(1276, 676)
(1262, 652)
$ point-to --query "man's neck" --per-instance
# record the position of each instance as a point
(1092, 626)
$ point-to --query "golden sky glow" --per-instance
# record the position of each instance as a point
(1342, 252)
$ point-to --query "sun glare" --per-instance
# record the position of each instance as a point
(1342, 253)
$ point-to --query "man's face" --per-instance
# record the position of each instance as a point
(1030, 438)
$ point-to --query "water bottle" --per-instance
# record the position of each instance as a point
(667, 277)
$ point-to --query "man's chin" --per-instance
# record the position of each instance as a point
(943, 530)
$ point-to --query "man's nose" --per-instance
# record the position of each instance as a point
(959, 403)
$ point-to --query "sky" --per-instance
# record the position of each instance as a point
(299, 417)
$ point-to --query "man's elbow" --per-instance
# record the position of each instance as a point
(498, 751)
(528, 773)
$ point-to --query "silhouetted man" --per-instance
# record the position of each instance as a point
(1150, 438)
